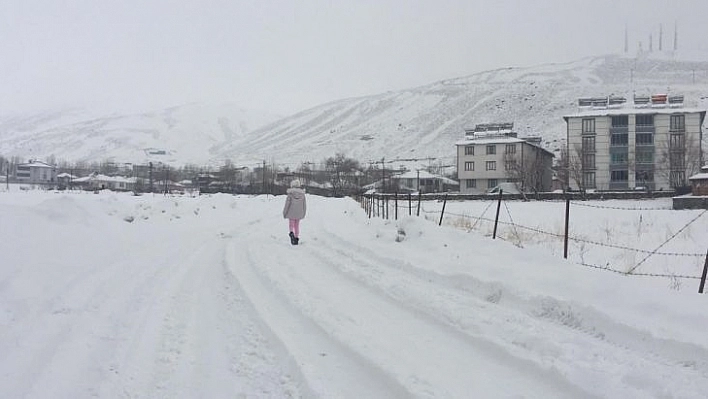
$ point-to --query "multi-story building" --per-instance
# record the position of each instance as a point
(653, 144)
(35, 172)
(492, 154)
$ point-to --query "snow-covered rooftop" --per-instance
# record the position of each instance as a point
(424, 174)
(633, 111)
(490, 140)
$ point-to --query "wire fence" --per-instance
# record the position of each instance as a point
(586, 249)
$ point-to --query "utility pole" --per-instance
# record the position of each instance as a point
(7, 176)
(264, 177)
(383, 175)
(150, 175)
(167, 180)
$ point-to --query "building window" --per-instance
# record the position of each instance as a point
(491, 183)
(469, 150)
(588, 161)
(644, 176)
(619, 139)
(618, 158)
(510, 149)
(491, 165)
(589, 126)
(644, 120)
(491, 149)
(471, 183)
(620, 120)
(510, 165)
(469, 166)
(676, 160)
(644, 156)
(589, 179)
(589, 144)
(677, 141)
(677, 178)
(678, 123)
(644, 139)
(619, 176)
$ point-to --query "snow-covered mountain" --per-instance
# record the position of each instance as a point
(426, 121)
(419, 122)
(190, 133)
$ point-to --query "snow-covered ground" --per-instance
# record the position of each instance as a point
(118, 296)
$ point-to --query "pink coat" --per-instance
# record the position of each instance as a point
(295, 204)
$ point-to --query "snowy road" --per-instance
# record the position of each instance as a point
(205, 297)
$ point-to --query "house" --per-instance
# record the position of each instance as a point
(36, 172)
(65, 180)
(424, 182)
(653, 143)
(96, 181)
(699, 182)
(492, 154)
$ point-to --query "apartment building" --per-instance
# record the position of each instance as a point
(653, 144)
(492, 154)
(35, 172)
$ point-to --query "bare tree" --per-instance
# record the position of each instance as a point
(677, 161)
(526, 171)
(342, 172)
(572, 166)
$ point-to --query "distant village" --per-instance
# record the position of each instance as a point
(613, 144)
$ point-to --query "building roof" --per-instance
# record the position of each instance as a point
(492, 140)
(104, 178)
(700, 176)
(424, 174)
(633, 111)
(37, 164)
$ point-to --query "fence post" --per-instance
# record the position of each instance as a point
(418, 212)
(567, 220)
(703, 278)
(443, 210)
(395, 203)
(410, 206)
(386, 209)
(496, 219)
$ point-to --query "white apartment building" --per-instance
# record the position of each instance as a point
(35, 172)
(653, 144)
(492, 154)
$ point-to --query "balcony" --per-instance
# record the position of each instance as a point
(645, 129)
(619, 130)
(619, 185)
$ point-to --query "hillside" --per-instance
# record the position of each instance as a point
(190, 133)
(419, 122)
(426, 121)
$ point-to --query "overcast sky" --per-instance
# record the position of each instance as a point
(288, 55)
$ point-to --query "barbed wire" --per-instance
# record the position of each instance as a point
(622, 208)
(578, 239)
(610, 269)
(630, 272)
(669, 239)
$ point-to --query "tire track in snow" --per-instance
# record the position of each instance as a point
(468, 305)
(328, 369)
(197, 338)
(401, 345)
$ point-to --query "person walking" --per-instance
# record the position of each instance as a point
(295, 209)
